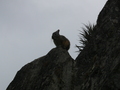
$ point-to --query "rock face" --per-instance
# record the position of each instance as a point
(50, 72)
(99, 63)
(97, 67)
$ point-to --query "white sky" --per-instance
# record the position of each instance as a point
(26, 27)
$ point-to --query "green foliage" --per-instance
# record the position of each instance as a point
(85, 36)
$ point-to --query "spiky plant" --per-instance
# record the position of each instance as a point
(85, 35)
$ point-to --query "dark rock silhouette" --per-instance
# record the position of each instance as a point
(97, 67)
(50, 72)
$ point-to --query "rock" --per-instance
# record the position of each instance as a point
(98, 65)
(53, 71)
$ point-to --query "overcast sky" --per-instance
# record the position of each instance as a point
(26, 27)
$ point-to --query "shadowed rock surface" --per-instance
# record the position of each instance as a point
(50, 72)
(97, 67)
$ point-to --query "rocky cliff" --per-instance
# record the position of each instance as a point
(50, 72)
(97, 67)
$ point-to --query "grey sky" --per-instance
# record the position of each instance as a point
(26, 27)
